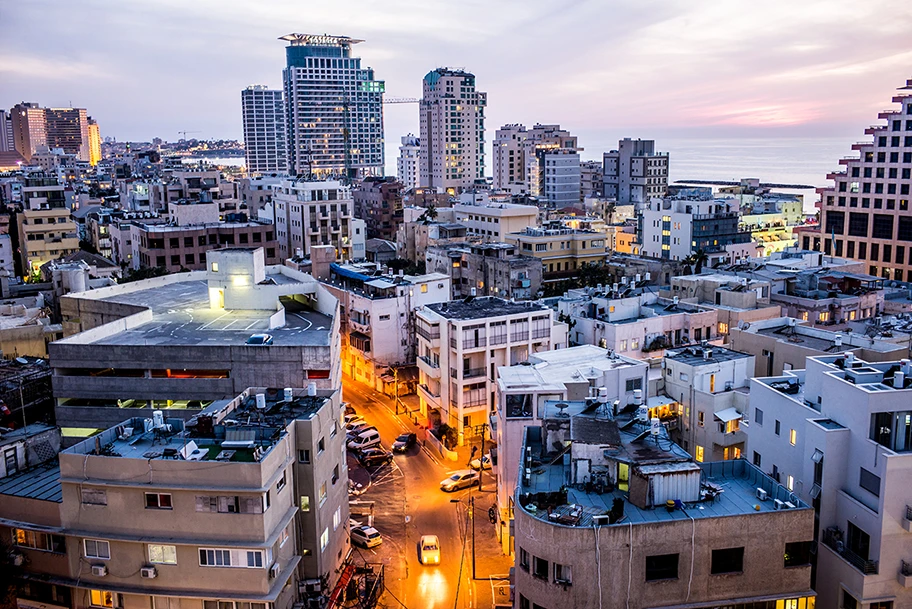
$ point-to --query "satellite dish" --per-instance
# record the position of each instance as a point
(562, 406)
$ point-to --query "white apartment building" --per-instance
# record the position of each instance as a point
(452, 130)
(709, 386)
(313, 213)
(633, 322)
(462, 343)
(378, 319)
(837, 434)
(675, 228)
(635, 172)
(494, 221)
(554, 176)
(575, 373)
(407, 163)
(263, 114)
(521, 167)
(333, 108)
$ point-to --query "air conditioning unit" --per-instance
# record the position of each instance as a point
(600, 520)
(99, 570)
(778, 504)
(17, 559)
(274, 571)
(762, 495)
(149, 572)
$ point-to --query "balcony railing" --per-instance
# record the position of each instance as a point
(428, 361)
(429, 392)
(541, 332)
(470, 373)
(428, 334)
(905, 568)
(833, 538)
(909, 512)
(519, 336)
(497, 339)
(473, 343)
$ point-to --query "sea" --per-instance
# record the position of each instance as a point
(796, 161)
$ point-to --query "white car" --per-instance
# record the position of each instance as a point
(352, 418)
(366, 537)
(429, 550)
(464, 478)
(483, 463)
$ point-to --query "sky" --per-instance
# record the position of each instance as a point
(603, 69)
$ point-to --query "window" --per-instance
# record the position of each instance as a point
(523, 559)
(700, 419)
(39, 541)
(882, 605)
(158, 501)
(337, 518)
(798, 554)
(848, 601)
(790, 483)
(757, 458)
(634, 344)
(729, 560)
(101, 598)
(622, 346)
(723, 327)
(633, 384)
(283, 537)
(562, 574)
(758, 416)
(162, 554)
(321, 446)
(869, 482)
(215, 267)
(322, 493)
(305, 503)
(303, 456)
(778, 428)
(324, 539)
(793, 437)
(218, 557)
(231, 504)
(698, 453)
(335, 476)
(663, 566)
(97, 549)
(424, 288)
(539, 567)
(282, 482)
(94, 496)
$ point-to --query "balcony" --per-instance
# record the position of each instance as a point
(519, 337)
(429, 368)
(430, 334)
(833, 539)
(467, 373)
(727, 440)
(907, 520)
(904, 577)
(474, 343)
(429, 398)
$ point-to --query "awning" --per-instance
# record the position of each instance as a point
(729, 414)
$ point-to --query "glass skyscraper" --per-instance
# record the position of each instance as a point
(333, 109)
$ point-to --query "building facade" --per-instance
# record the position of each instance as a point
(378, 201)
(333, 109)
(635, 172)
(676, 228)
(865, 212)
(494, 221)
(407, 162)
(45, 229)
(562, 250)
(311, 213)
(451, 115)
(490, 269)
(537, 161)
(263, 116)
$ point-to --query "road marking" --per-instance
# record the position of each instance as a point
(304, 319)
(213, 321)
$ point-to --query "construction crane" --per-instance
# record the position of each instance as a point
(401, 100)
(346, 134)
(185, 133)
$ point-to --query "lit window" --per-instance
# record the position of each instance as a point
(162, 554)
(215, 267)
(101, 598)
(337, 518)
(723, 327)
(699, 454)
(324, 539)
(793, 437)
(322, 493)
(790, 483)
(635, 344)
(305, 503)
(424, 288)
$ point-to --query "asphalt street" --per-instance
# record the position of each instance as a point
(408, 503)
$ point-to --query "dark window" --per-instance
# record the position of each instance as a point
(189, 259)
(174, 243)
(883, 226)
(798, 554)
(900, 254)
(188, 241)
(175, 260)
(848, 601)
(757, 458)
(777, 427)
(887, 252)
(523, 559)
(201, 240)
(858, 224)
(758, 416)
(243, 237)
(633, 384)
(663, 566)
(882, 605)
(850, 249)
(539, 567)
(875, 252)
(869, 482)
(859, 542)
(862, 250)
(835, 222)
(524, 602)
(729, 560)
(304, 456)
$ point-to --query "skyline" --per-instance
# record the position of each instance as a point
(825, 81)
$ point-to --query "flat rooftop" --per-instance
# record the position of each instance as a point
(181, 316)
(41, 482)
(480, 308)
(696, 355)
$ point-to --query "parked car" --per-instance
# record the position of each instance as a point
(365, 439)
(347, 408)
(352, 418)
(483, 463)
(404, 442)
(463, 478)
(352, 430)
(374, 456)
(366, 537)
(263, 340)
(429, 550)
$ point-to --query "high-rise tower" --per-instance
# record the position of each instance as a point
(407, 163)
(865, 213)
(263, 114)
(452, 130)
(333, 109)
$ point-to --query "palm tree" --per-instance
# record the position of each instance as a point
(429, 215)
(697, 259)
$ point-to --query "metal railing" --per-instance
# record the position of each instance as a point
(541, 332)
(428, 361)
(469, 373)
(833, 539)
(429, 392)
(428, 334)
(519, 336)
(472, 343)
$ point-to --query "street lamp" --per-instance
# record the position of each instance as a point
(471, 508)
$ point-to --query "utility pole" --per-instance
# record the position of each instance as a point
(483, 430)
(472, 513)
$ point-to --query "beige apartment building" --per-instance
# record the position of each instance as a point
(561, 249)
(313, 213)
(494, 221)
(46, 230)
(217, 512)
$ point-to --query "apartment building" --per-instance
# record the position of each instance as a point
(313, 213)
(537, 161)
(94, 142)
(635, 172)
(263, 118)
(598, 485)
(554, 176)
(462, 343)
(865, 210)
(784, 343)
(377, 309)
(633, 321)
(451, 116)
(710, 386)
(414, 237)
(7, 142)
(233, 513)
(407, 162)
(378, 201)
(561, 249)
(592, 179)
(677, 228)
(493, 221)
(64, 128)
(524, 391)
(488, 269)
(837, 434)
(333, 107)
(177, 341)
(45, 229)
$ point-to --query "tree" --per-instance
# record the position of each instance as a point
(429, 215)
(697, 260)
